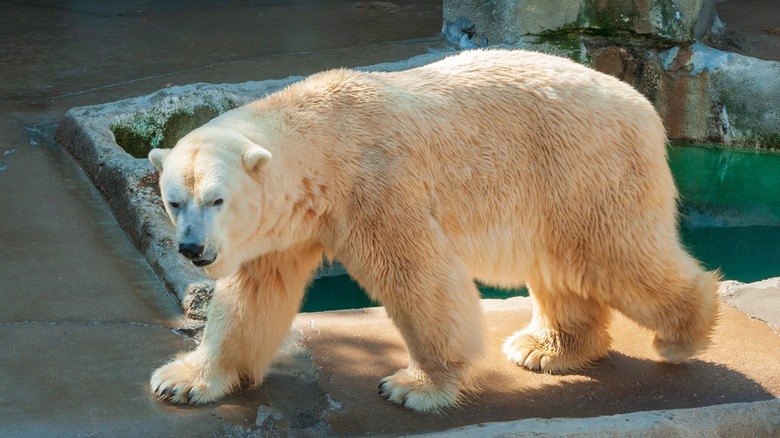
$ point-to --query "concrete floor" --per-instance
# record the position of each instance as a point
(84, 320)
(355, 349)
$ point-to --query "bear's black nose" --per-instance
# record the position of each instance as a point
(191, 250)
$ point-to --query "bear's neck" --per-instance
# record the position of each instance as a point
(298, 182)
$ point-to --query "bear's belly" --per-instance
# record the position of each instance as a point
(498, 257)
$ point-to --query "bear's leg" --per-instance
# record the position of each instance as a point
(248, 318)
(566, 332)
(430, 296)
(680, 306)
(439, 317)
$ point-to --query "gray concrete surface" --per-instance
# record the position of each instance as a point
(729, 420)
(85, 320)
(354, 349)
(759, 299)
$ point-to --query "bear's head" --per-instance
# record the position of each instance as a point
(211, 185)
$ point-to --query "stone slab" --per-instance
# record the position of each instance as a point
(759, 419)
(355, 349)
(760, 300)
(88, 379)
(77, 379)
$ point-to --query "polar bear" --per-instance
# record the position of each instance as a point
(506, 166)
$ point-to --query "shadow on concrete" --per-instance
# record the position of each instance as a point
(290, 396)
(354, 359)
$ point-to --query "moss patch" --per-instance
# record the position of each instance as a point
(132, 142)
(146, 131)
(769, 141)
(569, 44)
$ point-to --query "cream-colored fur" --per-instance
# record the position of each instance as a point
(510, 167)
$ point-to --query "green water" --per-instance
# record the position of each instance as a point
(730, 205)
(733, 185)
(746, 254)
(341, 292)
(730, 220)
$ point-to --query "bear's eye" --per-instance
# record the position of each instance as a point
(174, 205)
(217, 202)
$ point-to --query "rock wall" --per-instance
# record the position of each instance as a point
(505, 21)
(702, 94)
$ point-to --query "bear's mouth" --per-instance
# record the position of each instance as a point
(203, 262)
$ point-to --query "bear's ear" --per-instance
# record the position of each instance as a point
(255, 158)
(157, 156)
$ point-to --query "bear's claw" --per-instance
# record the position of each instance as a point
(178, 394)
(386, 393)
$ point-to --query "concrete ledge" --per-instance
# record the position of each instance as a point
(729, 390)
(129, 184)
(759, 300)
(757, 419)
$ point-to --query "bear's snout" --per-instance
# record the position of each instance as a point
(192, 251)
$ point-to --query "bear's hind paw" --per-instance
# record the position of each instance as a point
(527, 353)
(545, 354)
(680, 351)
(418, 395)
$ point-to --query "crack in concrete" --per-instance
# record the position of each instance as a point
(90, 323)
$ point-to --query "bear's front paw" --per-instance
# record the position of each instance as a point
(418, 394)
(185, 381)
(552, 352)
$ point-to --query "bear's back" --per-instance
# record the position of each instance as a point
(487, 120)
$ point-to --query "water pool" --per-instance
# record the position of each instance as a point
(730, 208)
(730, 220)
(341, 292)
